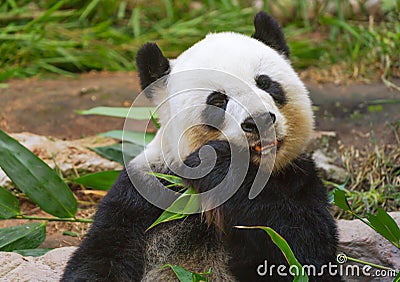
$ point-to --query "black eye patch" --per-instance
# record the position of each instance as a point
(217, 99)
(264, 82)
(214, 116)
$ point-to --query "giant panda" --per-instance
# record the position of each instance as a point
(257, 91)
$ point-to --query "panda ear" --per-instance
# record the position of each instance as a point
(268, 31)
(151, 64)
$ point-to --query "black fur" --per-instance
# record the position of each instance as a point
(268, 31)
(214, 114)
(113, 248)
(151, 64)
(273, 88)
(293, 202)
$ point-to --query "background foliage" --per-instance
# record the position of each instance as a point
(64, 37)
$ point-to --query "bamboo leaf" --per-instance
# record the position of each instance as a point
(340, 200)
(102, 180)
(32, 252)
(9, 205)
(173, 179)
(281, 243)
(185, 205)
(385, 225)
(27, 236)
(139, 113)
(139, 138)
(186, 276)
(397, 278)
(70, 233)
(106, 111)
(35, 178)
(114, 152)
(155, 121)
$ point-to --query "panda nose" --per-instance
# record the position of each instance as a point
(250, 123)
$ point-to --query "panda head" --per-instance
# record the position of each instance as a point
(227, 86)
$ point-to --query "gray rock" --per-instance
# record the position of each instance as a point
(327, 167)
(48, 267)
(323, 149)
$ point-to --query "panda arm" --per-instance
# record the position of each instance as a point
(114, 247)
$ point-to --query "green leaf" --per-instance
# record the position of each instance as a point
(331, 196)
(186, 204)
(341, 187)
(187, 276)
(106, 111)
(9, 205)
(35, 178)
(340, 199)
(102, 180)
(27, 236)
(139, 138)
(281, 243)
(139, 113)
(397, 278)
(199, 277)
(182, 274)
(336, 185)
(385, 225)
(155, 122)
(114, 152)
(70, 233)
(167, 216)
(173, 179)
(32, 252)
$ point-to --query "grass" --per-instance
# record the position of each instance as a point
(66, 37)
(374, 176)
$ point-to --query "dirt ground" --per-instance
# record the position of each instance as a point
(48, 107)
(355, 112)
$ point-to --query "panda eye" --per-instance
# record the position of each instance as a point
(263, 82)
(273, 88)
(217, 99)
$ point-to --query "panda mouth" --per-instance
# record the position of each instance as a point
(264, 146)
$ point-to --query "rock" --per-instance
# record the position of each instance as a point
(69, 156)
(327, 168)
(323, 149)
(48, 267)
(357, 240)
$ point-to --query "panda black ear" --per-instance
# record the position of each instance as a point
(268, 31)
(151, 64)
